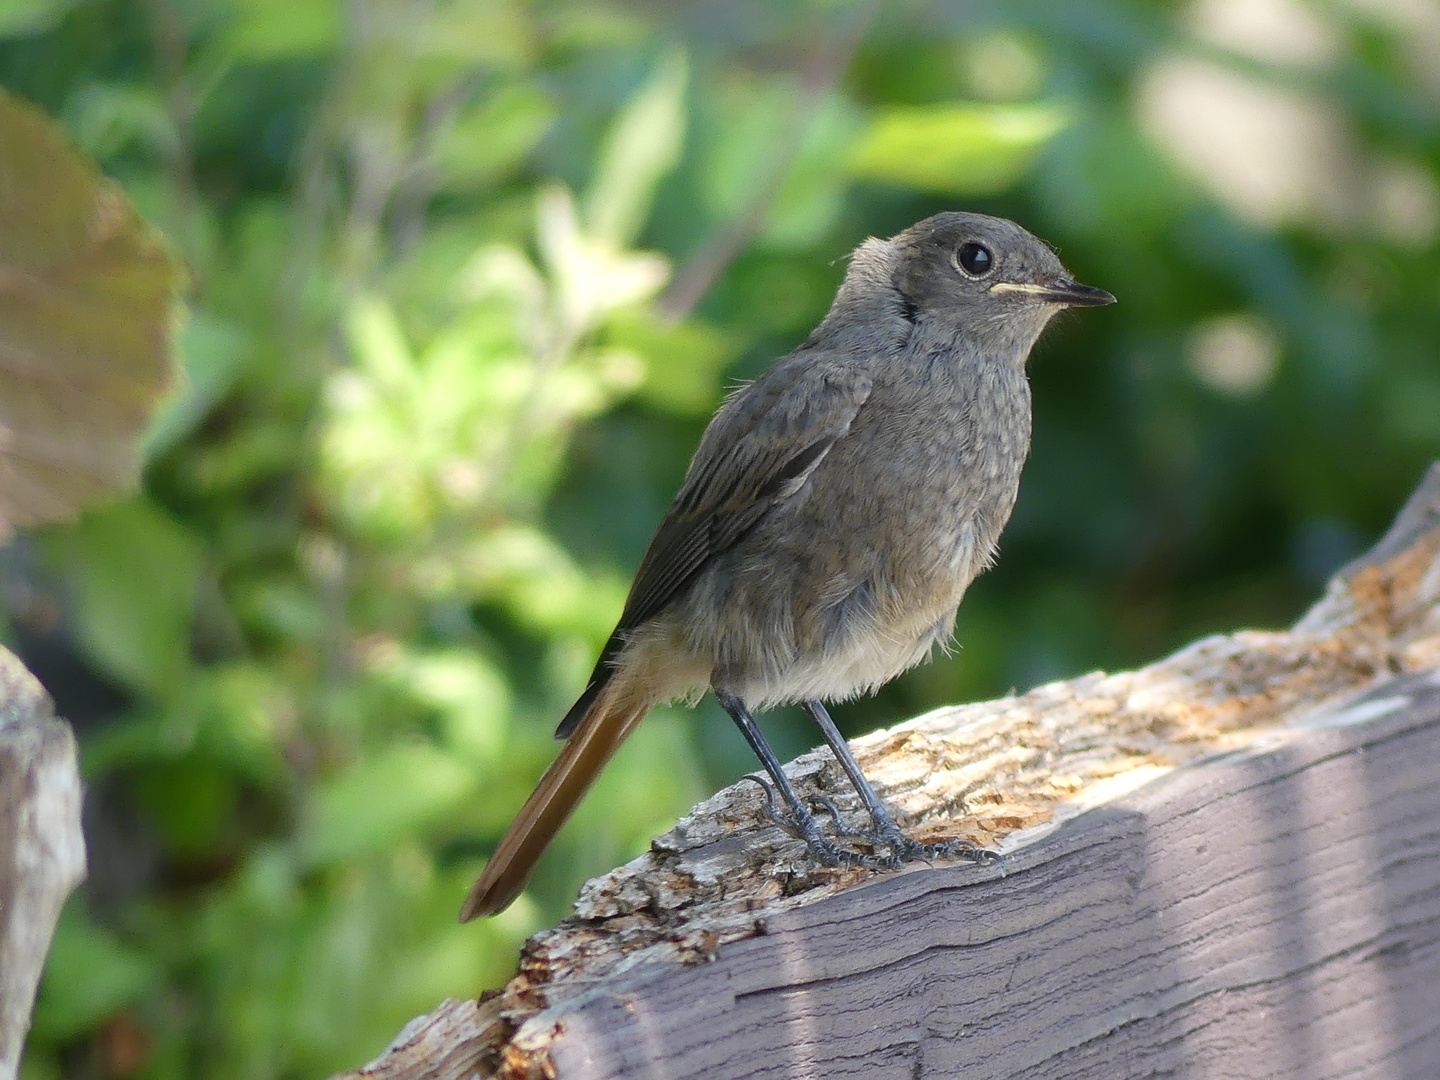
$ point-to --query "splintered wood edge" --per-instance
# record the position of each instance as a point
(1001, 774)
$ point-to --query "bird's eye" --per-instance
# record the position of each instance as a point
(975, 259)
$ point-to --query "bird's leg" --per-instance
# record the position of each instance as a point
(802, 823)
(885, 830)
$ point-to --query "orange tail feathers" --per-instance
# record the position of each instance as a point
(599, 734)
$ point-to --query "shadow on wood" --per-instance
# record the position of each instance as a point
(1226, 864)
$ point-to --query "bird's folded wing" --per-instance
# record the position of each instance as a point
(758, 451)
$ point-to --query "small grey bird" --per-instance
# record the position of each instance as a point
(833, 516)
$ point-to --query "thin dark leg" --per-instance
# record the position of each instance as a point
(841, 749)
(804, 824)
(886, 830)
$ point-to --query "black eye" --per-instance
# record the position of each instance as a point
(974, 259)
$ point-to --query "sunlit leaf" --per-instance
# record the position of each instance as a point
(85, 321)
(954, 149)
(642, 147)
(378, 344)
(275, 29)
(494, 137)
(19, 17)
(470, 696)
(592, 278)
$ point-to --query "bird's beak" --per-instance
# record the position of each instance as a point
(1060, 291)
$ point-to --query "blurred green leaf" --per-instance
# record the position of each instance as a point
(108, 119)
(470, 697)
(279, 29)
(133, 571)
(491, 32)
(684, 362)
(380, 799)
(192, 803)
(489, 140)
(955, 149)
(236, 714)
(89, 976)
(1103, 178)
(524, 569)
(212, 353)
(378, 345)
(399, 451)
(19, 17)
(741, 138)
(642, 146)
(1412, 406)
(810, 198)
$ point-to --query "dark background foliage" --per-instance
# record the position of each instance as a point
(466, 279)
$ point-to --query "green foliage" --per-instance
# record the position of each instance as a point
(90, 976)
(434, 403)
(134, 575)
(955, 149)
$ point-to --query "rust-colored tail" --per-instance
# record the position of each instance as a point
(604, 726)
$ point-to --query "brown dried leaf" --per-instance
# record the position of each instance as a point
(85, 323)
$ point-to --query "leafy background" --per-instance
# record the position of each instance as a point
(466, 277)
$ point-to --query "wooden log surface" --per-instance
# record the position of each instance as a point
(42, 851)
(1226, 864)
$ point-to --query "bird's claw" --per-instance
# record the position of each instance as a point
(807, 829)
(770, 813)
(902, 848)
(828, 805)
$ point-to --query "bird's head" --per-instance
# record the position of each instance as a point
(987, 275)
(956, 274)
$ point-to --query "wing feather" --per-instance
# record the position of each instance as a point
(759, 450)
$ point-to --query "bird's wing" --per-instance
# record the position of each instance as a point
(758, 451)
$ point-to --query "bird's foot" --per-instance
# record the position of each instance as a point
(825, 803)
(906, 849)
(804, 826)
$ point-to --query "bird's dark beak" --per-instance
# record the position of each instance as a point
(1060, 291)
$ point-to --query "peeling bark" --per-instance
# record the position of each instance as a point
(1226, 863)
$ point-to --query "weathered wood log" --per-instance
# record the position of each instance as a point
(42, 851)
(1226, 864)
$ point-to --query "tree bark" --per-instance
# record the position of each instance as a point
(42, 852)
(1226, 864)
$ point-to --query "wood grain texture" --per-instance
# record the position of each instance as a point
(1226, 864)
(42, 851)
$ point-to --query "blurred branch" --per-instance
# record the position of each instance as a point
(818, 77)
(417, 186)
(172, 48)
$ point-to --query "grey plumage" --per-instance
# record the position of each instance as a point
(836, 509)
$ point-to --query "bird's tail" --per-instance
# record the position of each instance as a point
(598, 734)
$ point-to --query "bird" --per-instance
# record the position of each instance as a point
(832, 517)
